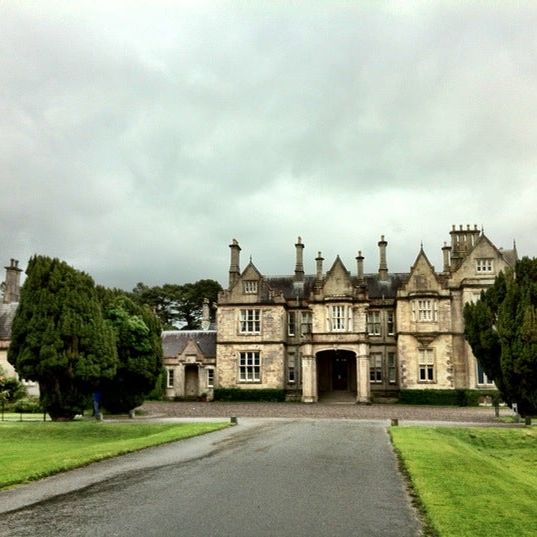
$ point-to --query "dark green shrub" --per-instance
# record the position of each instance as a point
(444, 397)
(239, 394)
(28, 405)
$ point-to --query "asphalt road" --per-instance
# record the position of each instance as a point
(262, 478)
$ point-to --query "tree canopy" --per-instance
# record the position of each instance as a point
(501, 328)
(60, 338)
(139, 351)
(176, 304)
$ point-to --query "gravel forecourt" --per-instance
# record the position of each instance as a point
(404, 413)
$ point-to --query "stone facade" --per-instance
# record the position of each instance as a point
(8, 307)
(363, 336)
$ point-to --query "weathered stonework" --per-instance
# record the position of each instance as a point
(367, 335)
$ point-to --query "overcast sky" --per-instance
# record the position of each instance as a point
(138, 138)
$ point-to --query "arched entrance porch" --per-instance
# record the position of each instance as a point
(336, 375)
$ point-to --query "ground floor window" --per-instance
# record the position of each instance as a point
(375, 367)
(482, 376)
(170, 378)
(210, 378)
(392, 368)
(426, 365)
(249, 366)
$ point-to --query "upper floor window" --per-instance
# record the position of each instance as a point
(291, 323)
(390, 323)
(249, 366)
(426, 365)
(305, 323)
(484, 265)
(373, 323)
(425, 310)
(250, 287)
(338, 318)
(250, 322)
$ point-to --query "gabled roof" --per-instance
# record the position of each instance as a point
(174, 342)
(509, 256)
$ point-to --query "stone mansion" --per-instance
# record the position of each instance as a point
(352, 334)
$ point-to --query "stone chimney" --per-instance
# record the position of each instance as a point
(319, 261)
(360, 266)
(446, 251)
(234, 266)
(462, 241)
(383, 266)
(205, 315)
(13, 285)
(299, 267)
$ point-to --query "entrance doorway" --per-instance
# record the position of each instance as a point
(336, 374)
(191, 381)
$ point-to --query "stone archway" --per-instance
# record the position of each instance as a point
(336, 375)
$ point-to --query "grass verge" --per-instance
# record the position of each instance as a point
(31, 451)
(472, 482)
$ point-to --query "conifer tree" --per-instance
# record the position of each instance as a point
(139, 351)
(59, 337)
(501, 328)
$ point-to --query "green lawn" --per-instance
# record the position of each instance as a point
(473, 482)
(33, 450)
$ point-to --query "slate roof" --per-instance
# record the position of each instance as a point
(175, 341)
(376, 288)
(7, 313)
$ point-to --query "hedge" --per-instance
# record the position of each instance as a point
(446, 397)
(239, 394)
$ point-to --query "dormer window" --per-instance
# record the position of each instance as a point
(249, 287)
(484, 266)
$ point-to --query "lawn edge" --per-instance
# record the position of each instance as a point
(428, 529)
(101, 458)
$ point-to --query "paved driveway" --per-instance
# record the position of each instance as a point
(261, 478)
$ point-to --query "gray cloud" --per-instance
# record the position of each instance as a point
(135, 143)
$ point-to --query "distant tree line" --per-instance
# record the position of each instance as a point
(501, 328)
(178, 306)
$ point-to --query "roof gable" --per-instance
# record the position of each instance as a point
(422, 275)
(338, 280)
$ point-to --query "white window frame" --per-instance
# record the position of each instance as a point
(426, 366)
(374, 327)
(249, 287)
(425, 310)
(250, 321)
(170, 377)
(250, 366)
(338, 318)
(390, 322)
(291, 323)
(479, 372)
(210, 377)
(484, 265)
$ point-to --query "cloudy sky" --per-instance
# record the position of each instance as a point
(137, 138)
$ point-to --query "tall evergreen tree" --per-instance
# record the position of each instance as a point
(59, 337)
(139, 351)
(501, 328)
